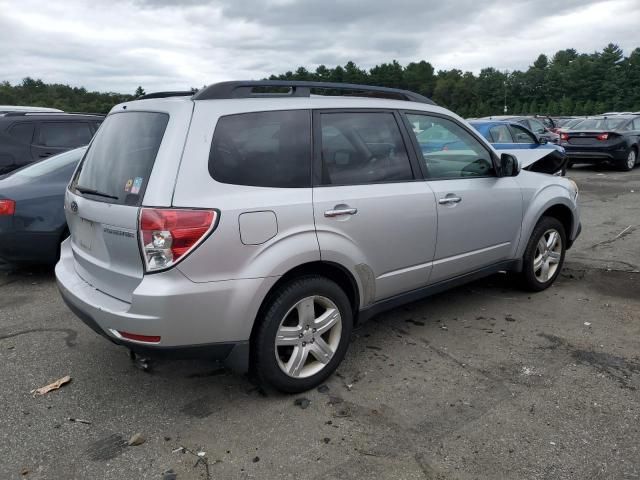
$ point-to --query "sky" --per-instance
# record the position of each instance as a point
(116, 45)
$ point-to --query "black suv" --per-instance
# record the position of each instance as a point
(29, 136)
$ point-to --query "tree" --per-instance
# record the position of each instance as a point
(139, 92)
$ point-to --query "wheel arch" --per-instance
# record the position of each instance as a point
(331, 270)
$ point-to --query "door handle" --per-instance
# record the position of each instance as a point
(449, 200)
(340, 211)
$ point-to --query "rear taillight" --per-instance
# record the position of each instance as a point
(168, 234)
(7, 207)
(564, 136)
(603, 136)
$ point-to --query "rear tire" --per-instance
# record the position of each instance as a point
(629, 162)
(302, 335)
(544, 255)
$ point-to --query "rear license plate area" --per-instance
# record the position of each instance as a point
(85, 233)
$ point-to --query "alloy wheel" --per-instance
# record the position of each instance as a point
(547, 256)
(631, 159)
(308, 336)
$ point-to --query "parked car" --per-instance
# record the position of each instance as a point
(569, 124)
(532, 123)
(614, 139)
(260, 229)
(32, 222)
(29, 136)
(533, 153)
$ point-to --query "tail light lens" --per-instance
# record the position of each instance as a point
(564, 136)
(603, 136)
(7, 207)
(167, 235)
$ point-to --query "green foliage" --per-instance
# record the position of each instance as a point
(565, 83)
(70, 99)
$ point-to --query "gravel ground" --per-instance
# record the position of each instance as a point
(482, 382)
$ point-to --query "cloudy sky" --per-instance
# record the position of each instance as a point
(116, 45)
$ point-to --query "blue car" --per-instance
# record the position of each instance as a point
(32, 221)
(533, 154)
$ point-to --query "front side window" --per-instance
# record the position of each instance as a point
(521, 135)
(448, 150)
(64, 134)
(501, 134)
(536, 126)
(362, 148)
(263, 149)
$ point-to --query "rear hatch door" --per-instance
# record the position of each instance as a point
(132, 161)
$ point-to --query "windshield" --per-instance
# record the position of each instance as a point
(119, 161)
(600, 124)
(52, 164)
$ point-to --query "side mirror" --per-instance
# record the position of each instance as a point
(509, 166)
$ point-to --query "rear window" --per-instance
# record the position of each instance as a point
(119, 161)
(263, 149)
(600, 124)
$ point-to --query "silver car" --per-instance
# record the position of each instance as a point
(258, 223)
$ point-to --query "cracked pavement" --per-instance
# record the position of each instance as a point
(481, 382)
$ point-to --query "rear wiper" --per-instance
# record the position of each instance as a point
(92, 191)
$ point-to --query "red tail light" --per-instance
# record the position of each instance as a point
(603, 136)
(7, 207)
(139, 338)
(564, 136)
(167, 235)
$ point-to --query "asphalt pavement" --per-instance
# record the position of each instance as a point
(481, 382)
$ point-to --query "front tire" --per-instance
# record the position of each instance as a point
(303, 334)
(544, 255)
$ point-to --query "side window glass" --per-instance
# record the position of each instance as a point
(521, 135)
(636, 124)
(501, 134)
(448, 150)
(537, 126)
(360, 148)
(61, 134)
(22, 132)
(263, 149)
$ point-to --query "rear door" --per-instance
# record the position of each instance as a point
(479, 213)
(57, 137)
(372, 210)
(134, 156)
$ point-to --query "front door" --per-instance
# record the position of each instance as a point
(479, 213)
(372, 211)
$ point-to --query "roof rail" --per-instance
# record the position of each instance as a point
(147, 96)
(24, 114)
(245, 89)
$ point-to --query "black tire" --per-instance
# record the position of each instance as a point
(265, 365)
(529, 280)
(625, 165)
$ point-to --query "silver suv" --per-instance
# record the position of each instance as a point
(258, 222)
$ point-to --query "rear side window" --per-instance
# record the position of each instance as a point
(362, 147)
(522, 136)
(119, 161)
(263, 149)
(64, 134)
(22, 132)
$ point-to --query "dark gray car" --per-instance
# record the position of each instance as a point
(32, 222)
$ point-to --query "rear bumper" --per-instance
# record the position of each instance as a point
(212, 319)
(29, 247)
(594, 155)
